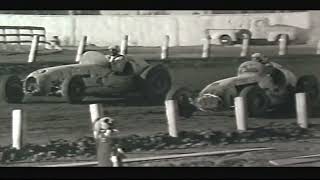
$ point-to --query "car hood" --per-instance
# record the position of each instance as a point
(218, 87)
(66, 70)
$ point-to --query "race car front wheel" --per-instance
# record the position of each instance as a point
(256, 100)
(309, 84)
(11, 89)
(225, 40)
(183, 96)
(73, 89)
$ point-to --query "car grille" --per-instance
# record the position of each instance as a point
(31, 85)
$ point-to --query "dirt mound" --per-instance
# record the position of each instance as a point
(86, 147)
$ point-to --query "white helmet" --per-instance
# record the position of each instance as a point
(114, 48)
(259, 58)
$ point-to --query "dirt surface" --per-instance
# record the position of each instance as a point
(52, 119)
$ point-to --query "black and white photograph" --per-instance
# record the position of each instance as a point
(159, 88)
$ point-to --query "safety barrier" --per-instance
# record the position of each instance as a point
(22, 35)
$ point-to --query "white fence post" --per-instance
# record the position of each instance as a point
(81, 48)
(18, 128)
(245, 45)
(206, 46)
(165, 48)
(33, 49)
(301, 110)
(172, 117)
(283, 45)
(96, 111)
(124, 45)
(241, 113)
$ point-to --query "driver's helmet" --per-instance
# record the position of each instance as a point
(258, 57)
(114, 48)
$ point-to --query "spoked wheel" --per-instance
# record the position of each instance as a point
(183, 97)
(309, 84)
(73, 89)
(11, 89)
(256, 100)
(156, 85)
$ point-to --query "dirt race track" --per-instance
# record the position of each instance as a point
(59, 120)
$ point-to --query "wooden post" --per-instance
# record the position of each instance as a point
(165, 47)
(283, 45)
(206, 46)
(81, 48)
(241, 113)
(18, 36)
(318, 47)
(96, 111)
(18, 128)
(172, 116)
(245, 45)
(124, 45)
(301, 110)
(33, 49)
(3, 38)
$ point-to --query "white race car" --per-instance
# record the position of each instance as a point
(263, 88)
(92, 76)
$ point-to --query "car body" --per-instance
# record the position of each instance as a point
(93, 76)
(265, 88)
(259, 29)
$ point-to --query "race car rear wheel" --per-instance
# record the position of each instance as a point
(183, 97)
(309, 85)
(156, 85)
(242, 33)
(278, 38)
(11, 90)
(257, 101)
(73, 89)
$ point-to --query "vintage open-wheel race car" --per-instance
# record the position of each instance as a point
(264, 90)
(92, 76)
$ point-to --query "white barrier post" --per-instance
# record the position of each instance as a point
(245, 45)
(172, 116)
(318, 47)
(124, 45)
(18, 128)
(241, 113)
(206, 46)
(165, 47)
(96, 111)
(33, 49)
(283, 45)
(301, 110)
(81, 48)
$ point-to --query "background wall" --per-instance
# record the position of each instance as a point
(145, 30)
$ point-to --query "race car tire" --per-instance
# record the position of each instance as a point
(11, 89)
(257, 101)
(73, 89)
(225, 40)
(183, 97)
(309, 85)
(240, 34)
(156, 85)
(276, 42)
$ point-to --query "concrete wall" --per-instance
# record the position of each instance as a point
(184, 30)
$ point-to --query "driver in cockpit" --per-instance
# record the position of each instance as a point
(116, 60)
